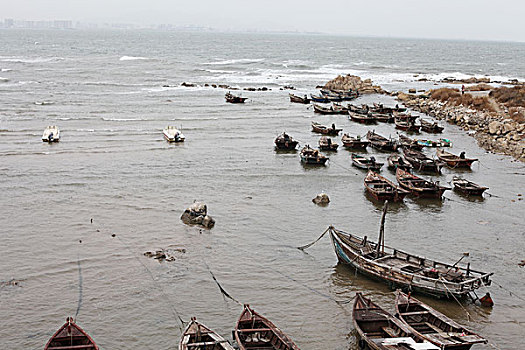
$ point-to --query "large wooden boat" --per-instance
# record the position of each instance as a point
(419, 186)
(285, 142)
(312, 156)
(172, 134)
(468, 187)
(404, 270)
(406, 125)
(431, 127)
(379, 330)
(354, 142)
(383, 189)
(70, 337)
(396, 160)
(454, 161)
(234, 99)
(383, 117)
(407, 142)
(326, 144)
(299, 99)
(324, 110)
(421, 162)
(433, 326)
(362, 118)
(366, 163)
(51, 134)
(381, 143)
(254, 331)
(198, 336)
(333, 131)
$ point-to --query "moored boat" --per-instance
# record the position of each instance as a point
(383, 189)
(383, 117)
(316, 127)
(381, 143)
(421, 162)
(419, 186)
(405, 116)
(406, 125)
(366, 163)
(354, 142)
(407, 142)
(51, 134)
(299, 99)
(396, 160)
(378, 107)
(432, 127)
(324, 110)
(433, 326)
(234, 99)
(454, 161)
(285, 142)
(404, 270)
(467, 187)
(172, 134)
(379, 330)
(362, 118)
(254, 331)
(322, 99)
(70, 337)
(198, 336)
(326, 144)
(432, 143)
(312, 156)
(359, 110)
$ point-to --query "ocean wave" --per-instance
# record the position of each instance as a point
(31, 60)
(240, 60)
(132, 58)
(5, 70)
(4, 80)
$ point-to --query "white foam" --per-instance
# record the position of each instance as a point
(240, 60)
(31, 60)
(132, 58)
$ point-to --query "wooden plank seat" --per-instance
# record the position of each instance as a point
(255, 329)
(414, 313)
(389, 331)
(207, 343)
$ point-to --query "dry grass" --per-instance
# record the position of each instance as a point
(454, 97)
(479, 87)
(517, 114)
(511, 97)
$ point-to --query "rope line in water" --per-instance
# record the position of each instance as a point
(79, 287)
(223, 291)
(311, 244)
(511, 293)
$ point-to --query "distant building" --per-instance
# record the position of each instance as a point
(9, 23)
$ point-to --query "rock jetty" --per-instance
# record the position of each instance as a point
(197, 214)
(355, 83)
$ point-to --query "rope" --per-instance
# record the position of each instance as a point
(339, 165)
(468, 315)
(79, 286)
(511, 293)
(311, 244)
(223, 291)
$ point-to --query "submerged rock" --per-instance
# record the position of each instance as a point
(196, 214)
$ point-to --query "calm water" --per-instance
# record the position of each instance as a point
(113, 165)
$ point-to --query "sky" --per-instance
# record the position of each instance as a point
(444, 19)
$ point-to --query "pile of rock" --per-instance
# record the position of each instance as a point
(197, 214)
(321, 199)
(353, 82)
(221, 86)
(164, 254)
(495, 132)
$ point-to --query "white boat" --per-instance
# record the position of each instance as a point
(172, 134)
(51, 134)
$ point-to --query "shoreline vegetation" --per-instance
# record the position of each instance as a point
(494, 116)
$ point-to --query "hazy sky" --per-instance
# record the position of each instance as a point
(452, 19)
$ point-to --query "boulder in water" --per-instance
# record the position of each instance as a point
(321, 199)
(197, 214)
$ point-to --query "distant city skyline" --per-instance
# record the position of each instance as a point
(447, 19)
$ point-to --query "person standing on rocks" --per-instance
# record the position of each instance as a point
(462, 89)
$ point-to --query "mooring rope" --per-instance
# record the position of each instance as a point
(311, 244)
(79, 304)
(223, 291)
(511, 293)
(468, 315)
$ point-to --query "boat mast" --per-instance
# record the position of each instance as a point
(381, 239)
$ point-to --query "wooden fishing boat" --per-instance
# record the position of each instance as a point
(363, 162)
(362, 118)
(407, 142)
(339, 108)
(431, 143)
(172, 134)
(354, 142)
(379, 330)
(377, 107)
(234, 99)
(326, 144)
(433, 326)
(198, 336)
(454, 161)
(383, 117)
(322, 99)
(381, 143)
(405, 116)
(383, 189)
(51, 134)
(285, 142)
(70, 337)
(432, 127)
(333, 131)
(324, 110)
(312, 156)
(299, 99)
(467, 187)
(254, 331)
(421, 162)
(403, 270)
(395, 160)
(342, 94)
(419, 186)
(359, 110)
(406, 125)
